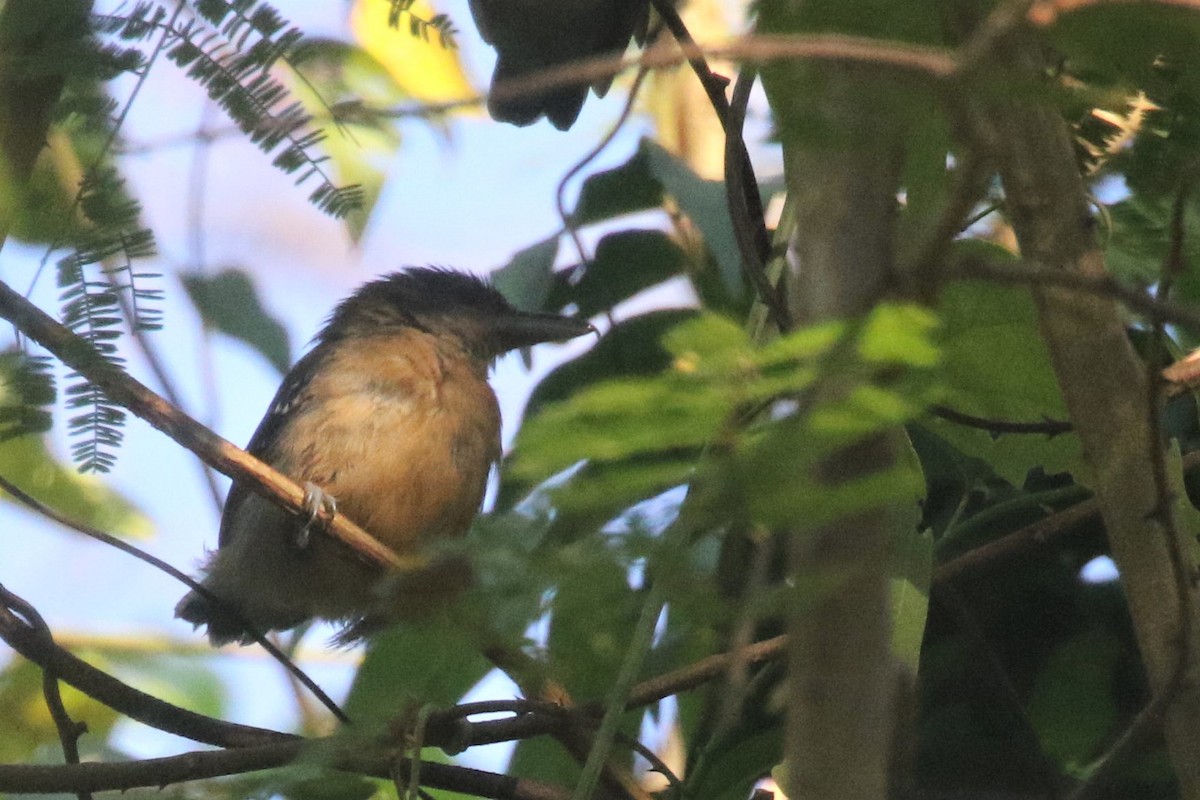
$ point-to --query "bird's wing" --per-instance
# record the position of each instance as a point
(289, 398)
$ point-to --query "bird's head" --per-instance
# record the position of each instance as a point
(451, 304)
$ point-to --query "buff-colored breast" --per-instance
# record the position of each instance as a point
(402, 431)
(404, 437)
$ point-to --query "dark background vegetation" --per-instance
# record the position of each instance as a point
(818, 524)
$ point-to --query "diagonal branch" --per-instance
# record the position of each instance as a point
(215, 451)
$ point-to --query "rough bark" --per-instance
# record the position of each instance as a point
(1106, 388)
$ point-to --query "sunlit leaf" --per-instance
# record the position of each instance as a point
(344, 86)
(423, 68)
(27, 722)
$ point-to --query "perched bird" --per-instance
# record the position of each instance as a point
(391, 416)
(534, 35)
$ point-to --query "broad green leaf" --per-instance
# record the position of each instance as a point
(996, 366)
(631, 348)
(1141, 238)
(305, 780)
(592, 613)
(430, 661)
(706, 205)
(993, 357)
(912, 558)
(612, 193)
(1071, 708)
(528, 279)
(730, 771)
(791, 497)
(1130, 43)
(229, 303)
(544, 759)
(625, 263)
(900, 334)
(184, 680)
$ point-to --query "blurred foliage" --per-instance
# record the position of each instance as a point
(229, 303)
(678, 451)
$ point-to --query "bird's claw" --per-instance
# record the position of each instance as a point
(315, 499)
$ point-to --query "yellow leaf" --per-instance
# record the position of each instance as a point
(426, 70)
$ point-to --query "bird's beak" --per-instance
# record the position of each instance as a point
(525, 328)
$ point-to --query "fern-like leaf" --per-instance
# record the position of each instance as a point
(439, 24)
(91, 309)
(26, 392)
(91, 305)
(233, 65)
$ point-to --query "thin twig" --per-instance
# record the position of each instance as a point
(560, 201)
(656, 763)
(996, 427)
(748, 217)
(745, 205)
(125, 547)
(1103, 285)
(22, 637)
(68, 729)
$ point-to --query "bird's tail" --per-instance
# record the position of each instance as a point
(225, 624)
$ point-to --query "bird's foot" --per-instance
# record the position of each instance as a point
(315, 499)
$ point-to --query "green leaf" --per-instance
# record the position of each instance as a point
(591, 615)
(544, 759)
(626, 189)
(26, 392)
(625, 263)
(632, 347)
(996, 366)
(617, 419)
(186, 680)
(1071, 708)
(900, 334)
(431, 661)
(528, 279)
(229, 303)
(730, 771)
(307, 780)
(1141, 238)
(27, 722)
(706, 205)
(912, 558)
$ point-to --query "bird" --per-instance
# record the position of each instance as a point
(390, 419)
(534, 35)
